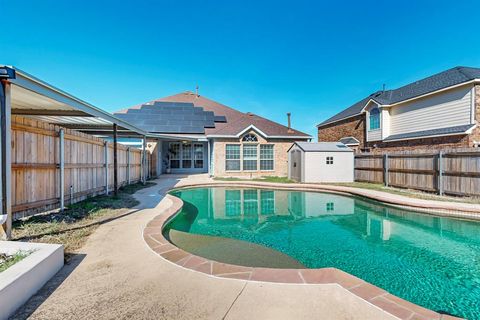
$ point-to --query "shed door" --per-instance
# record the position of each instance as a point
(296, 165)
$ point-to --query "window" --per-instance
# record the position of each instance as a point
(267, 202)
(266, 157)
(232, 157)
(250, 157)
(374, 119)
(330, 206)
(250, 202)
(198, 155)
(186, 155)
(250, 138)
(329, 160)
(233, 203)
(174, 154)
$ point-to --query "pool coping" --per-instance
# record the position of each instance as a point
(459, 210)
(153, 236)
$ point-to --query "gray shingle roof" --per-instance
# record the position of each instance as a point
(323, 147)
(433, 132)
(445, 79)
(349, 141)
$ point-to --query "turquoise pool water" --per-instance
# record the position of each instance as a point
(431, 261)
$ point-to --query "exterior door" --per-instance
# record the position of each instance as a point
(296, 165)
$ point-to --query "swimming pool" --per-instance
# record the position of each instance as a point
(430, 261)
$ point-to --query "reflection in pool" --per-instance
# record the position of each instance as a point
(431, 261)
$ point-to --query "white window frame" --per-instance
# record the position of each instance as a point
(256, 145)
(379, 119)
(239, 159)
(260, 157)
(329, 160)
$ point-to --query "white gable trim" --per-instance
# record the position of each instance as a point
(252, 127)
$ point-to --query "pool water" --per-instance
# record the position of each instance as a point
(430, 261)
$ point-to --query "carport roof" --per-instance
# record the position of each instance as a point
(34, 98)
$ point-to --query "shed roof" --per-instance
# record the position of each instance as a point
(323, 146)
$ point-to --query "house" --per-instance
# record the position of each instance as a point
(214, 138)
(441, 111)
(320, 162)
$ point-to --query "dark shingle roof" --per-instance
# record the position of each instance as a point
(350, 141)
(445, 79)
(210, 117)
(433, 132)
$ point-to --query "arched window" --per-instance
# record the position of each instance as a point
(374, 119)
(249, 138)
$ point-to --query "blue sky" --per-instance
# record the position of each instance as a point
(310, 58)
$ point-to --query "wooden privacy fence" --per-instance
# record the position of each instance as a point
(37, 151)
(451, 172)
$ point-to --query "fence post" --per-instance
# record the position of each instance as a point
(128, 165)
(62, 169)
(385, 169)
(440, 173)
(106, 166)
(144, 160)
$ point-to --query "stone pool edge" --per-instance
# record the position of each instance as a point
(153, 236)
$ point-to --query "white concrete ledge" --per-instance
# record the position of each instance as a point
(22, 280)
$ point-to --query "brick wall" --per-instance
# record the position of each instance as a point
(352, 127)
(281, 147)
(475, 136)
(416, 144)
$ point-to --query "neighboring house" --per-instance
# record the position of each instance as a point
(214, 138)
(436, 112)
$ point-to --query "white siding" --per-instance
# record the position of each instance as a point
(374, 135)
(447, 109)
(316, 169)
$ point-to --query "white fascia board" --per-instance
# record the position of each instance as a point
(368, 102)
(38, 86)
(252, 127)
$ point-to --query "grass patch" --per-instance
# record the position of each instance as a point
(263, 179)
(73, 226)
(408, 192)
(6, 261)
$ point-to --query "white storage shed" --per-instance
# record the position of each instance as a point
(320, 162)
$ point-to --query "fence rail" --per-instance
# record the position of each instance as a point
(451, 172)
(40, 178)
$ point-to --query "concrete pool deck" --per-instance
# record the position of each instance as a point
(116, 275)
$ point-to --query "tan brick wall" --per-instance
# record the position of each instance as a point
(352, 127)
(281, 147)
(420, 144)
